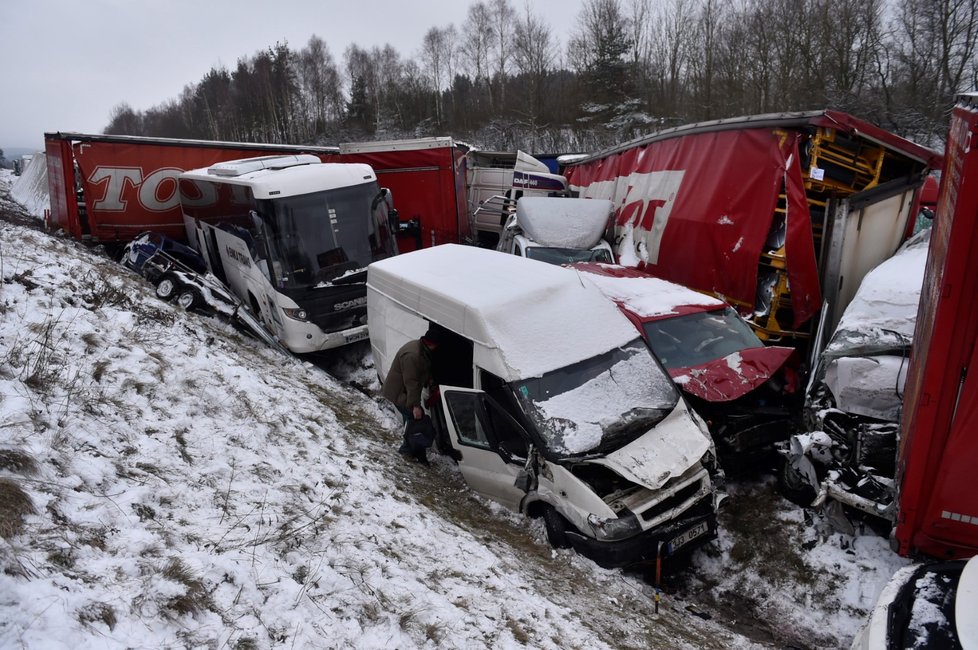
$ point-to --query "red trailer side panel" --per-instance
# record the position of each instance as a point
(427, 185)
(132, 187)
(129, 181)
(700, 207)
(938, 501)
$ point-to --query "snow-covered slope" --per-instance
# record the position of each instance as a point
(30, 189)
(186, 486)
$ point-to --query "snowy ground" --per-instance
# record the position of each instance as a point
(167, 481)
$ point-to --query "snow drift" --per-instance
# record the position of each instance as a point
(31, 187)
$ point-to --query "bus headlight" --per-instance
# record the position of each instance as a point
(296, 314)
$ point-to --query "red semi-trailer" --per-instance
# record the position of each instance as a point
(781, 215)
(936, 489)
(108, 189)
(426, 177)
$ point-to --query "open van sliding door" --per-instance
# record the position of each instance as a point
(492, 445)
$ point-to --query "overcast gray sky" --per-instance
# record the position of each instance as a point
(66, 63)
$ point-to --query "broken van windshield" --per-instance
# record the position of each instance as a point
(599, 404)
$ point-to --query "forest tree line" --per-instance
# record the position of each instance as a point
(502, 80)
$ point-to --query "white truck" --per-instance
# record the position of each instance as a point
(551, 402)
(559, 230)
(494, 184)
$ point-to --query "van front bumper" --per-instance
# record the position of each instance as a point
(675, 538)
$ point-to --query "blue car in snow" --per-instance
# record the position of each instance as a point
(171, 266)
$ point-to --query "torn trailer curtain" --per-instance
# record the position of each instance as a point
(700, 208)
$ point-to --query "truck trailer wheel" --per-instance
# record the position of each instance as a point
(190, 299)
(167, 288)
(556, 528)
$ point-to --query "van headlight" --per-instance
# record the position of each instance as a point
(616, 528)
(296, 314)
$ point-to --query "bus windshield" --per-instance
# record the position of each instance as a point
(316, 238)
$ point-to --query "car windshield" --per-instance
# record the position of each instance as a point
(599, 404)
(553, 255)
(318, 237)
(694, 339)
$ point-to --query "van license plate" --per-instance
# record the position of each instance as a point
(359, 336)
(687, 536)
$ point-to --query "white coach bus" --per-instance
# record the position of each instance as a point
(292, 237)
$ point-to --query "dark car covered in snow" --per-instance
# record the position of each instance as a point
(178, 271)
(147, 252)
(745, 391)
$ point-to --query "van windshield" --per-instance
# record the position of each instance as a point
(553, 255)
(601, 404)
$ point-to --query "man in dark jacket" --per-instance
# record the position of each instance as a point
(409, 373)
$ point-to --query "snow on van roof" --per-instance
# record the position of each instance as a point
(563, 222)
(291, 181)
(536, 316)
(645, 296)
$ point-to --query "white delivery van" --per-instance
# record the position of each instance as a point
(559, 230)
(493, 191)
(552, 404)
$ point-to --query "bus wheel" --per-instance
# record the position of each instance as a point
(167, 288)
(190, 299)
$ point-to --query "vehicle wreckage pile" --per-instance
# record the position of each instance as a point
(301, 246)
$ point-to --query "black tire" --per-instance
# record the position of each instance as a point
(167, 288)
(190, 299)
(793, 485)
(556, 528)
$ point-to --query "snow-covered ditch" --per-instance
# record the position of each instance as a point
(167, 481)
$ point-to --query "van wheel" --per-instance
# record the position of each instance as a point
(167, 288)
(556, 528)
(190, 299)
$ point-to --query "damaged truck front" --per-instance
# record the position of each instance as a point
(855, 396)
(559, 230)
(552, 404)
